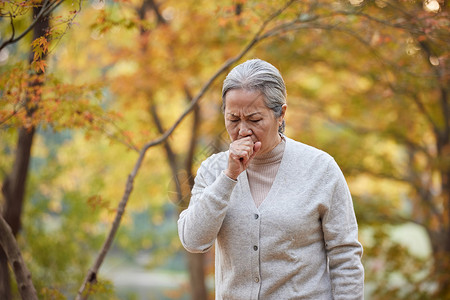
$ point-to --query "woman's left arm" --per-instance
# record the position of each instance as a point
(341, 239)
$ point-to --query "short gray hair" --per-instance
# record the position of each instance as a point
(258, 75)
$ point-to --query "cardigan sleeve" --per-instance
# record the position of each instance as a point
(341, 240)
(200, 223)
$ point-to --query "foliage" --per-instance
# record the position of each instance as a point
(59, 105)
(366, 83)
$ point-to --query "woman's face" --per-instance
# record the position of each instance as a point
(246, 115)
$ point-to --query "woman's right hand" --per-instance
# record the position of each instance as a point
(242, 152)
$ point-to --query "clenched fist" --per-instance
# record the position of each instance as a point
(241, 153)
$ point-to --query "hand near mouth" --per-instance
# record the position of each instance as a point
(242, 152)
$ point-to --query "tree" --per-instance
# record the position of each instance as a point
(367, 80)
(13, 188)
(385, 104)
(25, 106)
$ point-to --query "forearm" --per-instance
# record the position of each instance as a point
(200, 223)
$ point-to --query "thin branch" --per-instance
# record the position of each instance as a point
(379, 174)
(396, 6)
(420, 106)
(424, 112)
(193, 139)
(310, 24)
(91, 277)
(69, 23)
(257, 38)
(426, 197)
(113, 137)
(12, 27)
(171, 155)
(362, 131)
(155, 8)
(44, 12)
(413, 30)
(53, 6)
(126, 140)
(12, 114)
(443, 87)
(294, 26)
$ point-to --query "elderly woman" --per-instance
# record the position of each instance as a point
(279, 211)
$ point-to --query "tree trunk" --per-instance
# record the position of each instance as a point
(441, 240)
(196, 266)
(14, 184)
(442, 257)
(196, 261)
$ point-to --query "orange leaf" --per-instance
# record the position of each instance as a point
(41, 64)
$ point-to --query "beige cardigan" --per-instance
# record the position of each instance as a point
(302, 241)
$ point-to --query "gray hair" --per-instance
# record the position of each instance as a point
(258, 75)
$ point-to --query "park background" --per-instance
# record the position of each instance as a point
(107, 108)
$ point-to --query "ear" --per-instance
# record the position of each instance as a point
(283, 112)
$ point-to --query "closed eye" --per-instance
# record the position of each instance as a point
(255, 121)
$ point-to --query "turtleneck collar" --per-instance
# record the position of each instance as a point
(273, 156)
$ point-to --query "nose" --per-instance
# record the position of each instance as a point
(245, 131)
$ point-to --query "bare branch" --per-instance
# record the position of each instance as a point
(23, 276)
(171, 155)
(193, 140)
(12, 27)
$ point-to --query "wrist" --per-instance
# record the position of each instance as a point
(230, 175)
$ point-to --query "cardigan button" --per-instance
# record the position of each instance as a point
(255, 248)
(256, 279)
(256, 216)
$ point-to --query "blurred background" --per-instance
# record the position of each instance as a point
(85, 85)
